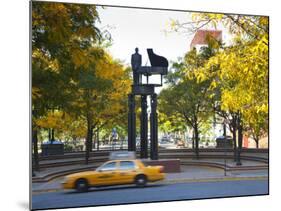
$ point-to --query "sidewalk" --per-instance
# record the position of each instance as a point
(188, 174)
(200, 173)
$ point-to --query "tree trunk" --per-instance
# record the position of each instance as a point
(240, 140)
(257, 143)
(224, 130)
(53, 134)
(98, 141)
(234, 131)
(193, 139)
(94, 139)
(234, 142)
(91, 139)
(35, 149)
(49, 134)
(88, 140)
(196, 134)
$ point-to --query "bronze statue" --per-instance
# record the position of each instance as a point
(136, 63)
(159, 66)
(156, 60)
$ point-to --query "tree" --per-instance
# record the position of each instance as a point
(171, 123)
(256, 125)
(100, 95)
(66, 125)
(187, 97)
(243, 80)
(188, 100)
(241, 74)
(238, 73)
(72, 72)
(61, 37)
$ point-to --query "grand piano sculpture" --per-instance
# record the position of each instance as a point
(159, 66)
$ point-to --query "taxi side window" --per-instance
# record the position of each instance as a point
(127, 165)
(108, 167)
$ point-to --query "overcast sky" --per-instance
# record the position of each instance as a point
(145, 28)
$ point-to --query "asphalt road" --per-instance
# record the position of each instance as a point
(151, 193)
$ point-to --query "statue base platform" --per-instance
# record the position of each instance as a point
(143, 89)
(170, 165)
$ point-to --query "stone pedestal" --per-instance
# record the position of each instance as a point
(170, 165)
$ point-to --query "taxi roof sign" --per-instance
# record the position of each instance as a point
(122, 155)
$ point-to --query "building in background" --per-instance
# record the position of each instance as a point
(202, 37)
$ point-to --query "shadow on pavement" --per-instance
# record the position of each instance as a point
(97, 189)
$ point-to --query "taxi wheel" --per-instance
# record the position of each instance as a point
(81, 185)
(140, 180)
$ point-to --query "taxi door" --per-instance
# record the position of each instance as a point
(106, 174)
(127, 171)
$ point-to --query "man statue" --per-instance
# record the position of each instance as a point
(136, 63)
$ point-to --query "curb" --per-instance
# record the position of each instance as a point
(216, 179)
(51, 176)
(175, 181)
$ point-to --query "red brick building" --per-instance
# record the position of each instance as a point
(200, 37)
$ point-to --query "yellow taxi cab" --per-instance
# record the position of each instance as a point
(115, 172)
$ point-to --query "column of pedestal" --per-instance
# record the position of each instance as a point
(144, 127)
(131, 123)
(153, 129)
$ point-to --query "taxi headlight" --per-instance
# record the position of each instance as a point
(65, 180)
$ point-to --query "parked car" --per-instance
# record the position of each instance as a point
(115, 172)
(166, 143)
(180, 143)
